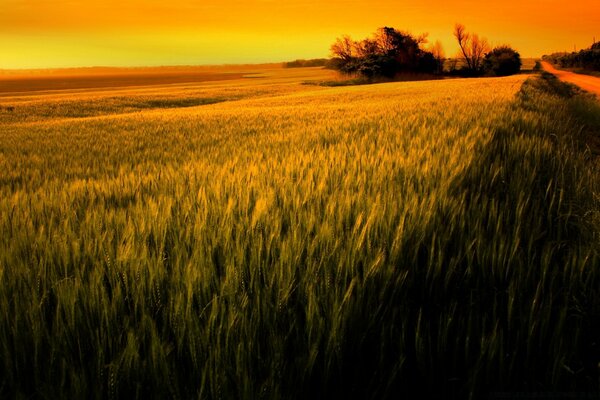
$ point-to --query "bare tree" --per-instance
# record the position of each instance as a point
(463, 38)
(473, 47)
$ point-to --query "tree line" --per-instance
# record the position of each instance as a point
(301, 63)
(390, 52)
(588, 59)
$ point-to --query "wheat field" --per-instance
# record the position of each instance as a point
(264, 238)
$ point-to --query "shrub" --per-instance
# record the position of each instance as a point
(502, 61)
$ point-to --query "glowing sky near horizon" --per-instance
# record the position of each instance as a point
(64, 33)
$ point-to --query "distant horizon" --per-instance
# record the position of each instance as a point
(159, 66)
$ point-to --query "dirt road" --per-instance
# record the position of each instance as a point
(586, 82)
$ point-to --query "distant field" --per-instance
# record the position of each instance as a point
(12, 82)
(528, 64)
(259, 238)
(27, 84)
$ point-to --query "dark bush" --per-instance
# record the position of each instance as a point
(502, 61)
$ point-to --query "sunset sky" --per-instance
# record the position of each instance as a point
(62, 33)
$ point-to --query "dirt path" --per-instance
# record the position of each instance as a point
(586, 82)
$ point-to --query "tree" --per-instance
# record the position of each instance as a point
(502, 61)
(588, 59)
(472, 47)
(344, 55)
(367, 47)
(385, 54)
(343, 48)
(461, 35)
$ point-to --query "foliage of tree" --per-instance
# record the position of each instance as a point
(386, 53)
(584, 59)
(502, 61)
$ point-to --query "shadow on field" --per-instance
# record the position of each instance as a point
(535, 299)
(178, 103)
(500, 291)
(24, 112)
(582, 107)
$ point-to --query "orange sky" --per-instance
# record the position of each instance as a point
(59, 33)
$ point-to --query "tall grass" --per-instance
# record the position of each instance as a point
(438, 238)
